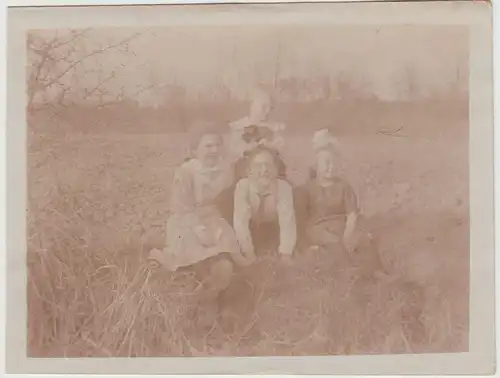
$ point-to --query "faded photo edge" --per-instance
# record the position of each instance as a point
(479, 359)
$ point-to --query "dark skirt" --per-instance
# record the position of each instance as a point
(265, 236)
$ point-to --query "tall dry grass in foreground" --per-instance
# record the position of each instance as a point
(97, 204)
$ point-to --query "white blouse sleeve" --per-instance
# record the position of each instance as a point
(242, 215)
(287, 221)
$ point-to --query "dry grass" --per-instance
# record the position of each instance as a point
(97, 204)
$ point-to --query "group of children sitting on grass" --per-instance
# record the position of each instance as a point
(227, 212)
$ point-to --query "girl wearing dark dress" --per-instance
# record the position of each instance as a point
(330, 224)
(329, 217)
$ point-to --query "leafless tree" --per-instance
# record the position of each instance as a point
(59, 66)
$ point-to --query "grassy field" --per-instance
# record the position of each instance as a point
(98, 203)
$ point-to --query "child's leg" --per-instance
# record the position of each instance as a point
(221, 274)
(215, 275)
(236, 303)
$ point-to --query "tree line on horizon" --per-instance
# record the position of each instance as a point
(57, 65)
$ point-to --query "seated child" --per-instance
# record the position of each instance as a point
(198, 238)
(329, 220)
(264, 214)
(328, 212)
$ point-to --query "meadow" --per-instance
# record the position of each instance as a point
(98, 202)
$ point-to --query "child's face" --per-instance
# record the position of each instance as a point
(209, 149)
(327, 166)
(262, 169)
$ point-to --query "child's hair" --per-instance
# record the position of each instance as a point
(278, 161)
(250, 155)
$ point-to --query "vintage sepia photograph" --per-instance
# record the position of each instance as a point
(254, 189)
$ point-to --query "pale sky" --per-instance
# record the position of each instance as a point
(198, 57)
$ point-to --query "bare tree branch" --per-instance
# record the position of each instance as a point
(86, 56)
(75, 36)
(89, 93)
(70, 52)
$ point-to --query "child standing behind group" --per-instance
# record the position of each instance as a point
(247, 135)
(256, 130)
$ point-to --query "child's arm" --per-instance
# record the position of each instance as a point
(350, 226)
(287, 220)
(241, 219)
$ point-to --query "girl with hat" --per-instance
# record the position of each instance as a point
(328, 206)
(332, 226)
